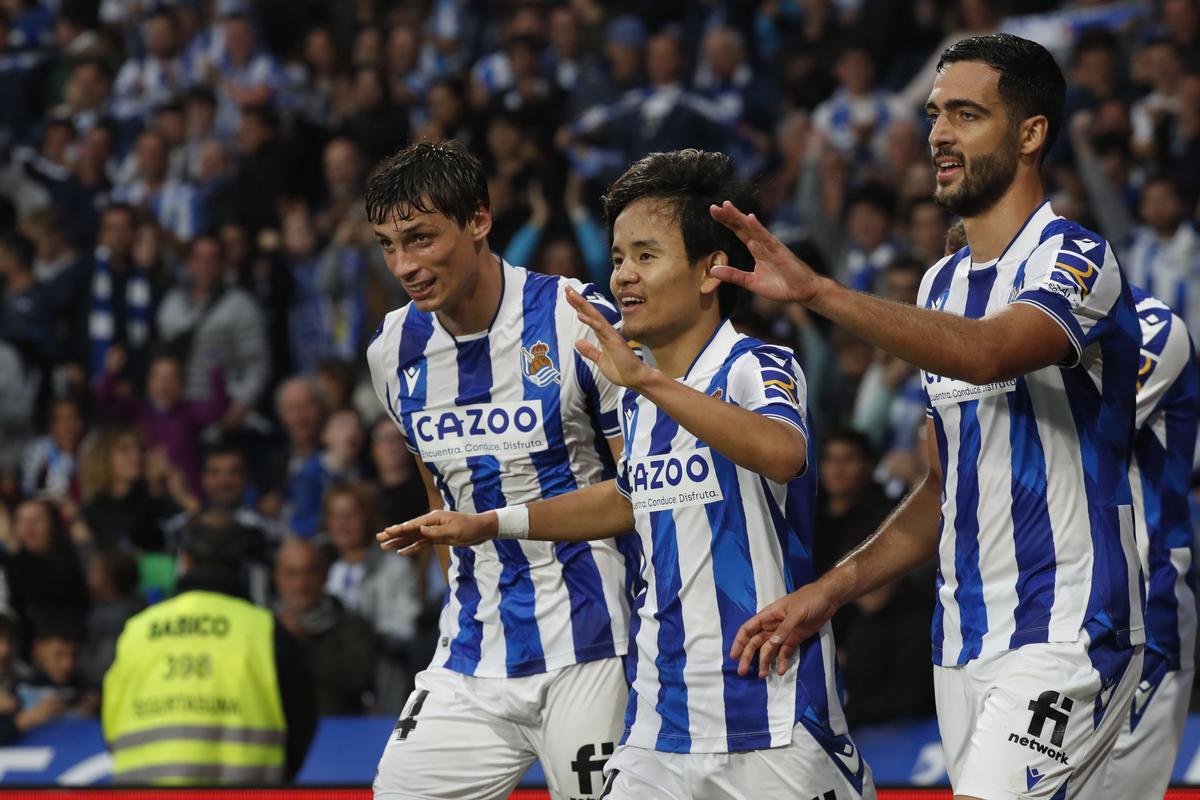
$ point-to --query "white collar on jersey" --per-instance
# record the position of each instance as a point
(512, 281)
(713, 354)
(1026, 240)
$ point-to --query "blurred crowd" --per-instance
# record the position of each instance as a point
(189, 285)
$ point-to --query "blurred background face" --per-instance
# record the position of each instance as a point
(1160, 207)
(723, 52)
(204, 265)
(116, 231)
(224, 480)
(387, 448)
(33, 528)
(319, 50)
(164, 382)
(299, 238)
(58, 658)
(843, 468)
(300, 413)
(299, 576)
(855, 72)
(345, 524)
(343, 167)
(66, 426)
(927, 230)
(664, 61)
(160, 36)
(126, 459)
(239, 40)
(343, 434)
(867, 225)
(151, 157)
(564, 32)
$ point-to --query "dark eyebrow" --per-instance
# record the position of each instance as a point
(956, 104)
(640, 244)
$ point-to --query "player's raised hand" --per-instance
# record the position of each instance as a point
(778, 274)
(437, 527)
(614, 356)
(778, 629)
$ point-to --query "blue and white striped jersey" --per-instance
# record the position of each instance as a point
(1037, 535)
(509, 416)
(1168, 391)
(721, 542)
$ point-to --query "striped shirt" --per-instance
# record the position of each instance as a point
(721, 542)
(509, 416)
(1168, 390)
(1037, 537)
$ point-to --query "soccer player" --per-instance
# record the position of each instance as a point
(1028, 343)
(1168, 389)
(480, 374)
(715, 449)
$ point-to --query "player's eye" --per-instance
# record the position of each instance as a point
(645, 257)
(967, 116)
(385, 244)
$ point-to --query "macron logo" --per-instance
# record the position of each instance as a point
(410, 377)
(1085, 245)
(1032, 778)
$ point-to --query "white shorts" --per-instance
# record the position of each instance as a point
(828, 770)
(473, 738)
(1022, 723)
(1144, 757)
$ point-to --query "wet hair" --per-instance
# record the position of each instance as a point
(440, 177)
(1031, 83)
(690, 180)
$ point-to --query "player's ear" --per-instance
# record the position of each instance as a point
(1033, 135)
(709, 285)
(480, 223)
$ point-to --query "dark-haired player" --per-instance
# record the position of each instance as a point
(480, 373)
(1028, 342)
(716, 440)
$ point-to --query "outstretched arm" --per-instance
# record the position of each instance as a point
(1012, 342)
(907, 539)
(593, 512)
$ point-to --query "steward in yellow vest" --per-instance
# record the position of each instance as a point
(206, 688)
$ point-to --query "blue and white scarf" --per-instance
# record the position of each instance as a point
(102, 322)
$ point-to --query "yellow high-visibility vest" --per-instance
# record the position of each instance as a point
(192, 696)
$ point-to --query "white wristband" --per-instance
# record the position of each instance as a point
(512, 522)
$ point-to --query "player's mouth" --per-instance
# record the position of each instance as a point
(948, 167)
(420, 290)
(630, 303)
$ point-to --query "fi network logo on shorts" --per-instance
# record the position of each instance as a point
(1049, 707)
(586, 764)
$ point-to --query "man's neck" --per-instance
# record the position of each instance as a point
(675, 357)
(990, 233)
(476, 310)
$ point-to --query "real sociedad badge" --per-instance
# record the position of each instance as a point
(538, 365)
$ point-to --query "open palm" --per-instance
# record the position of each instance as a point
(614, 356)
(778, 274)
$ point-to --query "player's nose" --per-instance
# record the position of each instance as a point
(940, 133)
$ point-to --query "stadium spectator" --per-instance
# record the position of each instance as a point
(298, 484)
(144, 83)
(210, 324)
(856, 118)
(850, 505)
(112, 581)
(385, 590)
(174, 204)
(14, 670)
(255, 670)
(339, 645)
(1165, 249)
(127, 494)
(50, 464)
(43, 572)
(55, 688)
(164, 418)
(121, 297)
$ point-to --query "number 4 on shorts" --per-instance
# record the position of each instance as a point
(408, 717)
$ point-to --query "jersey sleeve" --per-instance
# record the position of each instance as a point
(1076, 281)
(1165, 354)
(377, 360)
(603, 395)
(768, 381)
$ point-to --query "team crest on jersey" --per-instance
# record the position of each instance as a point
(539, 366)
